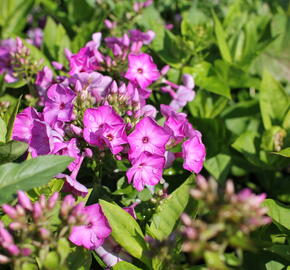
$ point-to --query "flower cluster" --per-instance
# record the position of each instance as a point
(16, 61)
(36, 228)
(90, 114)
(225, 218)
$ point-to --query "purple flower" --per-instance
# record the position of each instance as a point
(84, 61)
(194, 152)
(59, 104)
(147, 136)
(7, 47)
(95, 83)
(146, 170)
(24, 123)
(35, 37)
(95, 43)
(71, 185)
(184, 93)
(114, 137)
(144, 37)
(43, 81)
(92, 235)
(111, 253)
(94, 121)
(70, 149)
(176, 123)
(40, 142)
(142, 70)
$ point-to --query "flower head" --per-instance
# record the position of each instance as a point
(92, 235)
(146, 170)
(142, 69)
(148, 136)
(194, 154)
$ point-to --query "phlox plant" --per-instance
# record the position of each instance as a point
(143, 135)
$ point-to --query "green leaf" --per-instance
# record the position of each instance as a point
(55, 40)
(284, 152)
(169, 211)
(218, 166)
(214, 260)
(29, 174)
(278, 212)
(125, 265)
(221, 39)
(10, 118)
(126, 230)
(11, 151)
(79, 259)
(14, 16)
(212, 83)
(175, 51)
(246, 144)
(282, 250)
(3, 130)
(274, 101)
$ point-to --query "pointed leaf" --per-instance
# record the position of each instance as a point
(125, 230)
(221, 39)
(169, 211)
(29, 174)
(274, 101)
(278, 212)
(11, 151)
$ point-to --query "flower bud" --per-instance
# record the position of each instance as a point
(24, 200)
(44, 233)
(26, 251)
(20, 210)
(37, 211)
(4, 259)
(10, 211)
(13, 249)
(52, 200)
(15, 226)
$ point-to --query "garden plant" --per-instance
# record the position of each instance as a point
(150, 135)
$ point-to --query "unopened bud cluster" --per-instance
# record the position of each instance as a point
(22, 63)
(223, 217)
(36, 227)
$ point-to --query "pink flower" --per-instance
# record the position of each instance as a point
(194, 152)
(59, 104)
(97, 124)
(43, 82)
(176, 123)
(142, 70)
(92, 235)
(145, 37)
(24, 123)
(73, 186)
(114, 137)
(147, 136)
(146, 170)
(95, 83)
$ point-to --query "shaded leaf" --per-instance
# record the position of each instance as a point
(29, 174)
(169, 211)
(278, 212)
(11, 151)
(126, 230)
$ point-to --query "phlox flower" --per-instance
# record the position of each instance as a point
(147, 136)
(142, 69)
(58, 104)
(23, 124)
(146, 170)
(104, 125)
(194, 152)
(92, 235)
